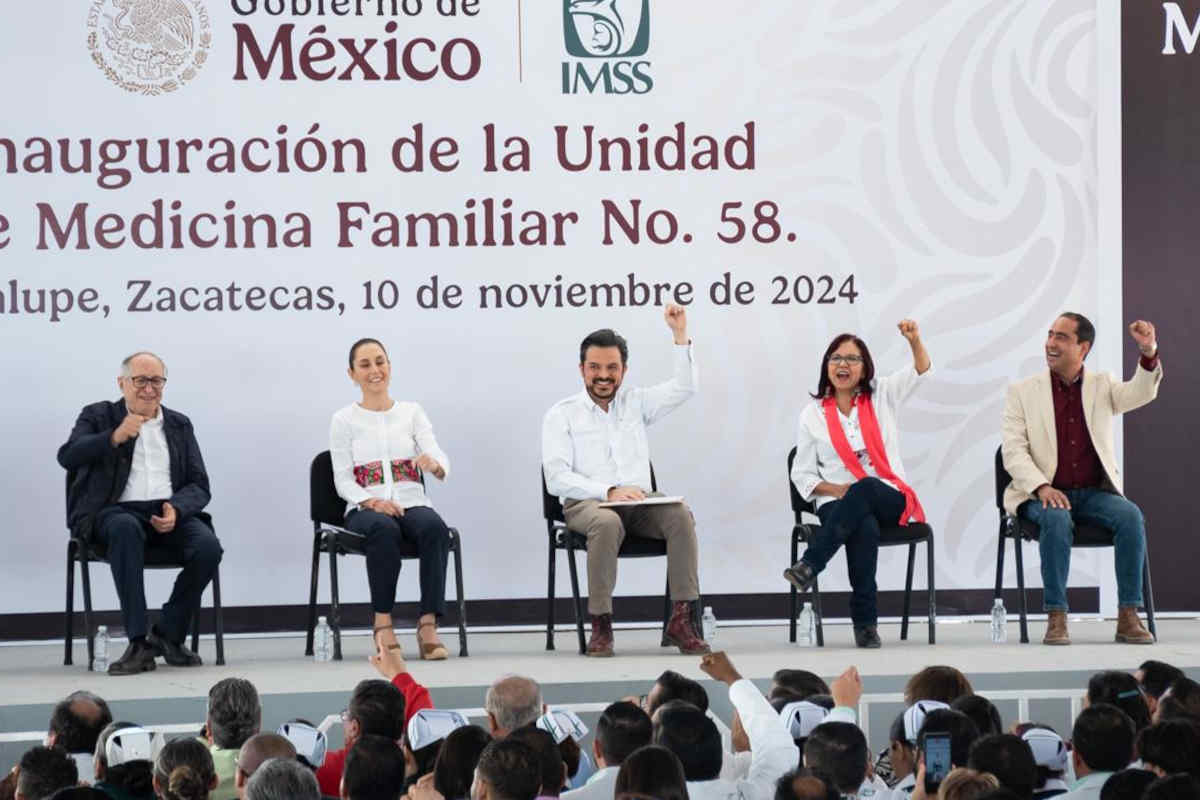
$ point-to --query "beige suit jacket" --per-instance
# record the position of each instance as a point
(1030, 447)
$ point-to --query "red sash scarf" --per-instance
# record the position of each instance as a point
(874, 442)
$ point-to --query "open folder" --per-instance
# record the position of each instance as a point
(649, 501)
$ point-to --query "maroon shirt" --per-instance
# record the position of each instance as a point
(1078, 465)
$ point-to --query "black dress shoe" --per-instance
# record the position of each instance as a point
(138, 657)
(800, 575)
(177, 655)
(867, 637)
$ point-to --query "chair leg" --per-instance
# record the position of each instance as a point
(68, 635)
(1148, 594)
(85, 574)
(575, 594)
(312, 594)
(666, 614)
(795, 595)
(932, 591)
(462, 600)
(196, 628)
(999, 593)
(218, 617)
(335, 609)
(908, 578)
(550, 595)
(816, 601)
(1021, 599)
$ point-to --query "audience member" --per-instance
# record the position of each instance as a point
(958, 725)
(79, 793)
(1101, 744)
(673, 686)
(622, 728)
(550, 764)
(1051, 755)
(902, 744)
(309, 742)
(1010, 759)
(1174, 787)
(376, 708)
(184, 770)
(512, 702)
(507, 770)
(652, 771)
(1182, 699)
(1128, 784)
(942, 683)
(423, 737)
(966, 784)
(804, 784)
(982, 712)
(454, 769)
(75, 725)
(1155, 677)
(1171, 746)
(568, 731)
(234, 715)
(123, 763)
(800, 684)
(282, 779)
(838, 750)
(43, 771)
(374, 769)
(1122, 690)
(255, 751)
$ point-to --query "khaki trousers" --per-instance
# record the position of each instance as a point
(605, 529)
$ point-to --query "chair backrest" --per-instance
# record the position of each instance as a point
(1003, 479)
(799, 504)
(552, 510)
(324, 504)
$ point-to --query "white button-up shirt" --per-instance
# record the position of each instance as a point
(150, 471)
(586, 451)
(372, 453)
(816, 458)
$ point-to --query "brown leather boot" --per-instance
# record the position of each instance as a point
(1129, 628)
(600, 645)
(1056, 629)
(682, 633)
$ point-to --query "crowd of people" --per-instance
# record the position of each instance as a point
(1137, 738)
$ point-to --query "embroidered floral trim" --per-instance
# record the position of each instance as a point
(405, 469)
(369, 474)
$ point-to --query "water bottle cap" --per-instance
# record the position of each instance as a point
(708, 609)
(997, 602)
(807, 605)
(102, 629)
(322, 621)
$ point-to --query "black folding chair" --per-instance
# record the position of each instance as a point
(570, 541)
(1019, 529)
(81, 551)
(911, 535)
(328, 513)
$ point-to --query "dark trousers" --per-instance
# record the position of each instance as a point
(125, 533)
(421, 526)
(854, 522)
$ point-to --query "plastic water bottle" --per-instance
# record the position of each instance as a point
(323, 641)
(708, 623)
(999, 622)
(806, 633)
(100, 650)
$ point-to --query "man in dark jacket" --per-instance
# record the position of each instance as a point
(137, 488)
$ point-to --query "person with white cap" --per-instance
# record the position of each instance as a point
(1051, 755)
(124, 761)
(423, 737)
(568, 731)
(902, 749)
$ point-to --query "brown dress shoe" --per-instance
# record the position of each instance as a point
(600, 645)
(1130, 629)
(1056, 629)
(682, 633)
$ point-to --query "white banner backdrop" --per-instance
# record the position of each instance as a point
(934, 160)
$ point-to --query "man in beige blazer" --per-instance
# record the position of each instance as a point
(1058, 448)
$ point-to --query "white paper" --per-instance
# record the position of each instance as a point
(649, 501)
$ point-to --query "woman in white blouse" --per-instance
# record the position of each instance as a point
(380, 447)
(848, 464)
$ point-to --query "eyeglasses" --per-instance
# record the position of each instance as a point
(847, 360)
(142, 381)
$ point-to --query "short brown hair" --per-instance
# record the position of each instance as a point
(938, 682)
(965, 784)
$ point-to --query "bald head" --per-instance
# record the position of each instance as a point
(256, 750)
(512, 702)
(77, 721)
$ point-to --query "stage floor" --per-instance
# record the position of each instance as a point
(32, 676)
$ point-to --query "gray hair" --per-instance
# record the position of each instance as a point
(514, 700)
(127, 369)
(283, 779)
(234, 712)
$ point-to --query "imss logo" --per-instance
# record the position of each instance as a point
(610, 37)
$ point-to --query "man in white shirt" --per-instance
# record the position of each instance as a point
(137, 486)
(623, 728)
(595, 450)
(1101, 744)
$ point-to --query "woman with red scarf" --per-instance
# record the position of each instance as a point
(848, 464)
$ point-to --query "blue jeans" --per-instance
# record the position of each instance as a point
(1098, 507)
(854, 521)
